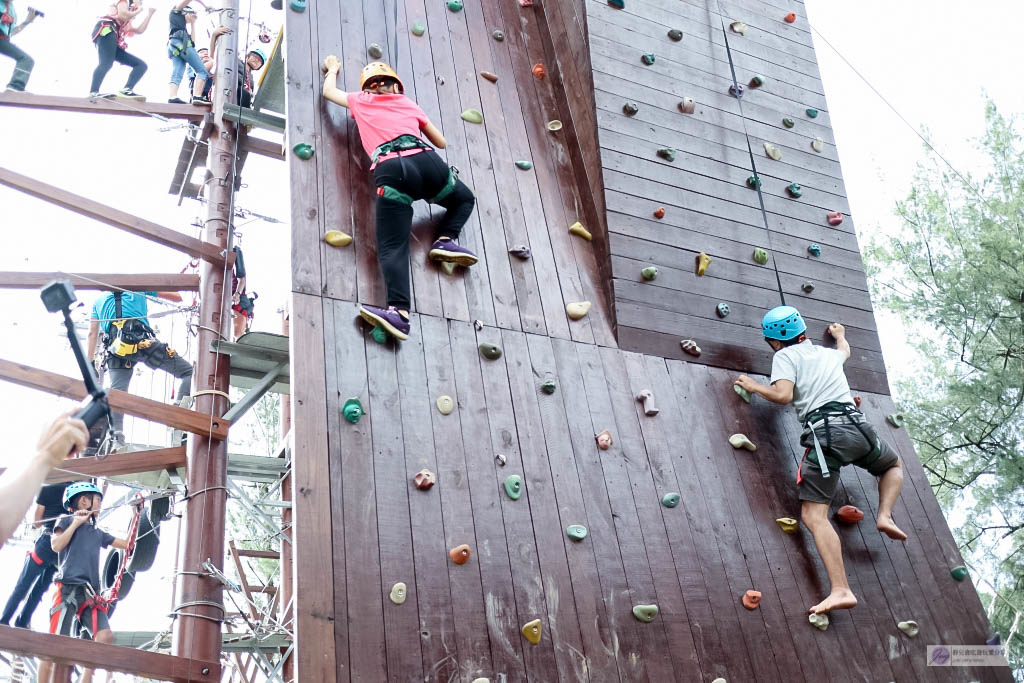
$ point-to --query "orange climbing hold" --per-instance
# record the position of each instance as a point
(459, 554)
(834, 217)
(659, 212)
(751, 599)
(791, 17)
(849, 514)
(539, 71)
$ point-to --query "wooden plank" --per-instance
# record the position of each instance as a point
(73, 469)
(116, 218)
(267, 148)
(120, 401)
(136, 282)
(261, 554)
(102, 105)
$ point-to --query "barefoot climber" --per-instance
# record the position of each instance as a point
(835, 434)
(405, 168)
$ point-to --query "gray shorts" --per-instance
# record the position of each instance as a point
(848, 440)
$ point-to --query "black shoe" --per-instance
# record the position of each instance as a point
(129, 94)
(199, 100)
(176, 100)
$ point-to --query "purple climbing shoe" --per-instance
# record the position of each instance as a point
(450, 252)
(388, 318)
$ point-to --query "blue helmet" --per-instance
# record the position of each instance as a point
(259, 53)
(783, 323)
(79, 487)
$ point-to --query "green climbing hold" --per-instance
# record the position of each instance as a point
(419, 28)
(379, 335)
(303, 150)
(670, 500)
(814, 249)
(741, 392)
(722, 310)
(448, 267)
(959, 572)
(645, 613)
(548, 386)
(675, 34)
(576, 532)
(375, 51)
(472, 116)
(812, 113)
(667, 153)
(498, 35)
(455, 5)
(649, 273)
(757, 81)
(788, 122)
(753, 182)
(514, 486)
(760, 256)
(619, 4)
(896, 420)
(794, 190)
(524, 164)
(352, 410)
(298, 5)
(630, 108)
(647, 58)
(490, 351)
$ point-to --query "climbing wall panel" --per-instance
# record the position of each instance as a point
(708, 205)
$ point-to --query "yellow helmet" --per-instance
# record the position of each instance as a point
(375, 70)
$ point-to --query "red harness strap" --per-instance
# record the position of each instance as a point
(800, 467)
(35, 558)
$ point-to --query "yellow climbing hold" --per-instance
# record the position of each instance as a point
(532, 631)
(741, 441)
(703, 261)
(772, 151)
(472, 116)
(818, 621)
(577, 309)
(788, 524)
(337, 238)
(554, 125)
(578, 229)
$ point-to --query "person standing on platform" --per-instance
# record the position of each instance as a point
(242, 305)
(254, 61)
(109, 35)
(181, 48)
(9, 27)
(190, 74)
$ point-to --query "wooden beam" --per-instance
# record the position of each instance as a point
(70, 651)
(117, 464)
(267, 148)
(99, 105)
(120, 401)
(262, 554)
(121, 220)
(134, 282)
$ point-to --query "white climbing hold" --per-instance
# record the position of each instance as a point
(738, 27)
(741, 441)
(578, 309)
(398, 593)
(818, 145)
(481, 680)
(818, 621)
(772, 151)
(719, 680)
(445, 405)
(909, 627)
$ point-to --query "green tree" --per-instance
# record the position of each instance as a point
(954, 273)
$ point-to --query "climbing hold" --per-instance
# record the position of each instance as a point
(757, 81)
(856, 401)
(738, 441)
(719, 680)
(472, 116)
(501, 459)
(818, 145)
(524, 164)
(604, 440)
(722, 309)
(539, 71)
(424, 480)
(645, 613)
(490, 351)
(620, 4)
(298, 5)
(807, 286)
(578, 229)
(667, 153)
(760, 256)
(741, 392)
(909, 627)
(794, 190)
(455, 5)
(738, 27)
(520, 252)
(514, 486)
(896, 420)
(548, 386)
(532, 631)
(445, 405)
(379, 335)
(375, 51)
(659, 212)
(481, 680)
(670, 500)
(647, 58)
(812, 113)
(788, 524)
(834, 217)
(848, 514)
(576, 532)
(790, 18)
(337, 238)
(772, 151)
(818, 621)
(751, 599)
(554, 125)
(675, 34)
(398, 593)
(526, 3)
(736, 90)
(352, 410)
(646, 397)
(419, 28)
(478, 325)
(687, 105)
(630, 108)
(993, 640)
(788, 122)
(649, 273)
(448, 267)
(498, 35)
(703, 261)
(753, 182)
(814, 249)
(690, 347)
(577, 309)
(959, 572)
(459, 554)
(303, 150)
(488, 76)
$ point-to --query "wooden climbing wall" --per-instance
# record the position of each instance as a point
(360, 524)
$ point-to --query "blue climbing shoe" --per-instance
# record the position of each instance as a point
(389, 318)
(449, 252)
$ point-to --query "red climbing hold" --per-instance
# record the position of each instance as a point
(835, 217)
(526, 3)
(849, 514)
(659, 212)
(459, 554)
(791, 17)
(539, 71)
(424, 479)
(856, 399)
(751, 599)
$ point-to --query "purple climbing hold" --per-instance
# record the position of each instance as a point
(736, 90)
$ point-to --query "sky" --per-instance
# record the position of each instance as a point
(934, 62)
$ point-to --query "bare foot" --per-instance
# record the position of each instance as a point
(839, 598)
(887, 527)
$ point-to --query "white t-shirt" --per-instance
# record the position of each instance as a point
(816, 373)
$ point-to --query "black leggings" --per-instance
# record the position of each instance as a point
(109, 53)
(421, 176)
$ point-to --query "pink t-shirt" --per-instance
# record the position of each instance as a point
(384, 117)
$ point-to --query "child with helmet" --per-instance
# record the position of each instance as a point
(835, 434)
(405, 168)
(255, 59)
(181, 48)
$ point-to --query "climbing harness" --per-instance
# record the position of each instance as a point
(127, 335)
(398, 145)
(844, 413)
